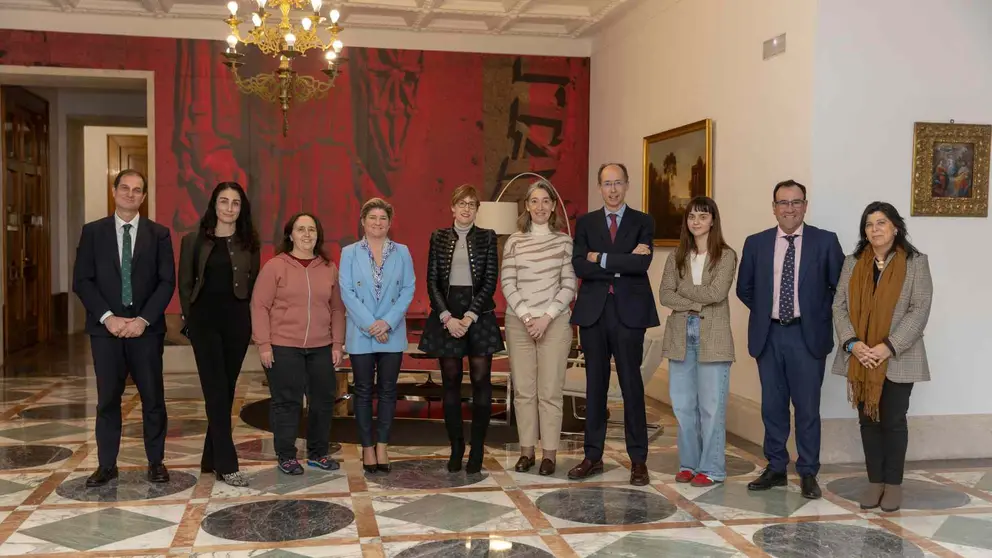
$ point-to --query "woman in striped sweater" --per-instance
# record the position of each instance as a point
(539, 285)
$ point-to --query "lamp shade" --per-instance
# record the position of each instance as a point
(498, 216)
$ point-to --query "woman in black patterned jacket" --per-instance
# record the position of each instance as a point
(462, 272)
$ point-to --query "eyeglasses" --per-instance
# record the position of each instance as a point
(466, 205)
(613, 184)
(795, 204)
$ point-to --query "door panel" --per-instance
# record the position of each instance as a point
(126, 152)
(27, 282)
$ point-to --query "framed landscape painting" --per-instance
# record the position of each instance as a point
(676, 169)
(951, 169)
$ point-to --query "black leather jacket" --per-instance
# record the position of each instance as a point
(482, 257)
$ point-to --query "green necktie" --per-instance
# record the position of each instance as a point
(127, 295)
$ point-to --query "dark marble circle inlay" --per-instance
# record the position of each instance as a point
(62, 411)
(667, 463)
(278, 520)
(14, 395)
(832, 540)
(177, 428)
(129, 486)
(916, 494)
(606, 505)
(23, 457)
(473, 548)
(424, 474)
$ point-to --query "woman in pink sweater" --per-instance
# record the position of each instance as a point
(297, 319)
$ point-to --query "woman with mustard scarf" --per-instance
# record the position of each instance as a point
(880, 311)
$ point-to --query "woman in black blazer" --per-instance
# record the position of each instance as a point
(462, 271)
(218, 265)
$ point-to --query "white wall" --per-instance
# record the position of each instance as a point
(95, 163)
(876, 74)
(669, 63)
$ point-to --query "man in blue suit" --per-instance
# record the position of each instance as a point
(788, 277)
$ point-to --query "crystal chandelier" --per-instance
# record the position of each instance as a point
(285, 41)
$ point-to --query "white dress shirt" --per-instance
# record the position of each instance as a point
(119, 227)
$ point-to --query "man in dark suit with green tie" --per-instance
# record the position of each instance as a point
(125, 275)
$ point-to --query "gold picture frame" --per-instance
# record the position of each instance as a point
(951, 169)
(681, 157)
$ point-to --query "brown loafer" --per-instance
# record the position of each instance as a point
(585, 469)
(639, 474)
(524, 464)
(547, 468)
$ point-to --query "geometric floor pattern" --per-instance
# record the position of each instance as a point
(47, 449)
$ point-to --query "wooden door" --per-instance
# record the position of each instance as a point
(126, 152)
(27, 281)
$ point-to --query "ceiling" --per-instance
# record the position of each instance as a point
(534, 18)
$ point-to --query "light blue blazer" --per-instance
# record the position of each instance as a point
(358, 293)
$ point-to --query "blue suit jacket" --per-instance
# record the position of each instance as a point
(819, 269)
(358, 293)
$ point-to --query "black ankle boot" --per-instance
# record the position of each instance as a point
(457, 453)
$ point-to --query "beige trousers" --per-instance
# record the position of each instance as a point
(537, 369)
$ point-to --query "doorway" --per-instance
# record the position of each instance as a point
(27, 281)
(126, 152)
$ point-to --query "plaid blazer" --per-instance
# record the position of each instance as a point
(709, 299)
(909, 319)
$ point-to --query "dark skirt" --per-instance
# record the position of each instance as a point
(483, 337)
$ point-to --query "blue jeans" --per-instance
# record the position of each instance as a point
(699, 399)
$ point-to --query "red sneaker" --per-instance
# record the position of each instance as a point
(701, 480)
(684, 476)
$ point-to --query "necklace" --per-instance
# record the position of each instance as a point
(879, 263)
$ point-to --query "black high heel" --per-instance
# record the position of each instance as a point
(370, 468)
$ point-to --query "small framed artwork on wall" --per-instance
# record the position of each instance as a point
(951, 169)
(677, 168)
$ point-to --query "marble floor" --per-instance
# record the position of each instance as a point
(47, 448)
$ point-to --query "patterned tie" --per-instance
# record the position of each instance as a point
(127, 295)
(786, 299)
(613, 234)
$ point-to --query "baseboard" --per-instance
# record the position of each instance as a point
(930, 437)
(743, 414)
(179, 359)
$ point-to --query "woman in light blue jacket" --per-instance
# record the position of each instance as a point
(377, 284)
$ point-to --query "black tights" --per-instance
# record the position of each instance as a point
(480, 371)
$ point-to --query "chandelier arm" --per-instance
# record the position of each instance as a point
(559, 203)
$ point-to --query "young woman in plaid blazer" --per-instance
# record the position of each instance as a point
(698, 342)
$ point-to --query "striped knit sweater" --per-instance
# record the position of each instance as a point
(537, 274)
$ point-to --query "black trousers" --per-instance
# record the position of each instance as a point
(296, 372)
(885, 440)
(610, 338)
(381, 369)
(113, 359)
(220, 340)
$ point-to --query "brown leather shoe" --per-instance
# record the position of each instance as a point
(524, 464)
(585, 469)
(547, 468)
(639, 474)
